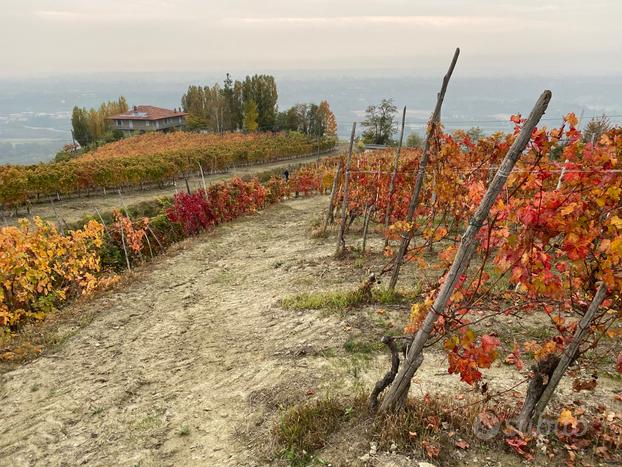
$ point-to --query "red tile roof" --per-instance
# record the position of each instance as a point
(147, 112)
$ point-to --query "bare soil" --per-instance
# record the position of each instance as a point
(192, 360)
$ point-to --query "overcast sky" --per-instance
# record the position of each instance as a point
(497, 37)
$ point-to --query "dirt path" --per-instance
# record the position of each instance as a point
(185, 345)
(73, 209)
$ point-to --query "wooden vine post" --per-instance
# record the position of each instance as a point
(202, 178)
(398, 391)
(414, 199)
(330, 218)
(341, 242)
(539, 392)
(396, 161)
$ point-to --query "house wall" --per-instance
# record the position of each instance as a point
(147, 125)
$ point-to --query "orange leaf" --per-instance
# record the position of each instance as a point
(566, 418)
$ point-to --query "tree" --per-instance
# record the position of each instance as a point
(229, 104)
(414, 141)
(595, 128)
(222, 108)
(250, 116)
(329, 123)
(475, 133)
(262, 90)
(380, 123)
(90, 126)
(80, 126)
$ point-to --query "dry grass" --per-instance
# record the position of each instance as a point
(306, 428)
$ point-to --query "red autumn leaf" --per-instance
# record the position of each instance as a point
(431, 450)
(515, 358)
(519, 446)
(490, 343)
(529, 216)
(462, 444)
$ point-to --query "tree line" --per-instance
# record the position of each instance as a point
(89, 126)
(251, 105)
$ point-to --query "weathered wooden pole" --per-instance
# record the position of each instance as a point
(155, 236)
(387, 214)
(341, 243)
(58, 218)
(414, 199)
(127, 256)
(101, 219)
(333, 193)
(368, 211)
(398, 391)
(202, 178)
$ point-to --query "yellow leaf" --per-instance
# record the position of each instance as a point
(617, 222)
(566, 418)
(568, 209)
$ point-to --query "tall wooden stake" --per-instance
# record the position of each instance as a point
(414, 199)
(58, 218)
(396, 162)
(341, 243)
(397, 393)
(127, 256)
(333, 193)
(101, 219)
(202, 178)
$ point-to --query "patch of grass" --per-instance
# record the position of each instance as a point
(333, 301)
(384, 296)
(225, 277)
(344, 300)
(330, 352)
(184, 430)
(354, 346)
(319, 232)
(305, 428)
(149, 422)
(35, 387)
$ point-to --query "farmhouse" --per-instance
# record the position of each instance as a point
(143, 118)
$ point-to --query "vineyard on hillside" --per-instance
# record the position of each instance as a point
(153, 158)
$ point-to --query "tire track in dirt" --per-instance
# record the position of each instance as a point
(185, 344)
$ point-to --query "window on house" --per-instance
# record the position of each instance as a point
(147, 123)
(118, 122)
